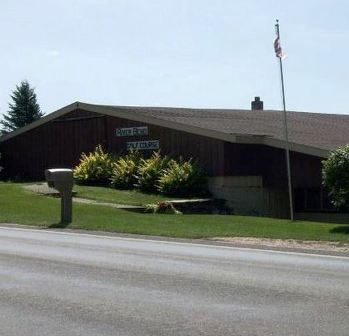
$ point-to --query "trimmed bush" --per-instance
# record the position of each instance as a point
(335, 176)
(150, 171)
(94, 168)
(183, 178)
(124, 171)
(156, 174)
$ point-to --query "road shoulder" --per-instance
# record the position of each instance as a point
(282, 245)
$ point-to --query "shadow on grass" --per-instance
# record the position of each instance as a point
(325, 219)
(341, 229)
(59, 225)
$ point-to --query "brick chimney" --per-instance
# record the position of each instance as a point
(257, 104)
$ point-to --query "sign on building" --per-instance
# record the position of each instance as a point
(143, 145)
(132, 131)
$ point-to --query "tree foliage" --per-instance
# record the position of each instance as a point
(335, 176)
(23, 110)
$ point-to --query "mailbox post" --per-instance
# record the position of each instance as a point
(62, 180)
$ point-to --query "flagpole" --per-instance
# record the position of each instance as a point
(287, 147)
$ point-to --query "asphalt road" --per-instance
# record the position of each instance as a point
(72, 284)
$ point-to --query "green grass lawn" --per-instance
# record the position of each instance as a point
(132, 197)
(18, 205)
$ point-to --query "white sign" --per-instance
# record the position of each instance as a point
(132, 131)
(142, 145)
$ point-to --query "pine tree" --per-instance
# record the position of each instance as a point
(23, 110)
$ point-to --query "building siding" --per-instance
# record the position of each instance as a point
(244, 160)
(60, 142)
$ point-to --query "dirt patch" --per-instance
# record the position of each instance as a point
(287, 243)
(43, 188)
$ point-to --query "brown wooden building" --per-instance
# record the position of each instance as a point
(242, 150)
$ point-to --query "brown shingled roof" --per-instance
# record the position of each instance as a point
(311, 133)
(325, 131)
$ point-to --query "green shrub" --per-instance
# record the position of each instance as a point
(95, 167)
(150, 170)
(335, 176)
(183, 178)
(124, 171)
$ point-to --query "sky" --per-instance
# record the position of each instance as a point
(183, 53)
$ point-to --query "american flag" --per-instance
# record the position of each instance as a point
(278, 50)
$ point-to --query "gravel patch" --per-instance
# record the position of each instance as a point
(287, 243)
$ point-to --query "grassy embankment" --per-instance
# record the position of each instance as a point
(18, 205)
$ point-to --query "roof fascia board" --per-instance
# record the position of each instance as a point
(234, 138)
(41, 121)
(114, 112)
(158, 122)
(252, 139)
(297, 147)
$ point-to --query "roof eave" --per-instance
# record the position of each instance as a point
(111, 111)
(41, 121)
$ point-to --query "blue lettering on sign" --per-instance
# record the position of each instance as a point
(132, 131)
(143, 145)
